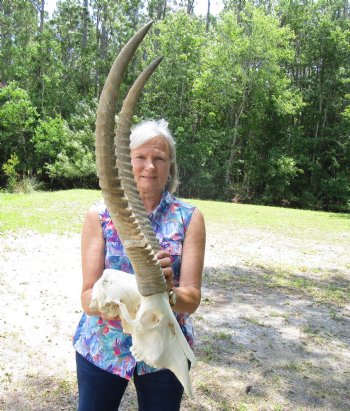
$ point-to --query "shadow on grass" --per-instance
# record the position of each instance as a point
(340, 215)
(279, 344)
(40, 393)
(320, 286)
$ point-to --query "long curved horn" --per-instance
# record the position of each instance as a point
(122, 151)
(134, 236)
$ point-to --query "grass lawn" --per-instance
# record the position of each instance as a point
(46, 212)
(63, 212)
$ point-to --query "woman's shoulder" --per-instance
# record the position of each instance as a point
(101, 209)
(99, 205)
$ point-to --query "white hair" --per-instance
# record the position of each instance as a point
(149, 129)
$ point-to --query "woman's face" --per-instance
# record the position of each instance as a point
(151, 165)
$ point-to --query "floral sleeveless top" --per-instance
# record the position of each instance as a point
(103, 342)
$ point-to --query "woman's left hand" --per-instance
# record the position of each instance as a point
(165, 263)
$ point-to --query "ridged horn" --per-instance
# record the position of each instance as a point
(146, 279)
(122, 141)
(137, 238)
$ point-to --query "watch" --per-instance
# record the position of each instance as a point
(172, 297)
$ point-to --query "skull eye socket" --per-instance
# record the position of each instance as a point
(151, 318)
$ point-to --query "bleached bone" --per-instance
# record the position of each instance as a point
(157, 338)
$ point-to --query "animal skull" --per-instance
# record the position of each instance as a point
(157, 338)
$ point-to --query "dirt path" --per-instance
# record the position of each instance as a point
(273, 329)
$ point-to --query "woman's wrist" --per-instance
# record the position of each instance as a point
(184, 299)
(172, 297)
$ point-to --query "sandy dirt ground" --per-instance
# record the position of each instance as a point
(271, 332)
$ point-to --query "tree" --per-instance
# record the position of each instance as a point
(18, 119)
(18, 26)
(180, 38)
(241, 84)
(40, 6)
(321, 71)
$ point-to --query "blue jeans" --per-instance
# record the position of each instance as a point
(101, 390)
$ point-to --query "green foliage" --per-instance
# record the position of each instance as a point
(18, 26)
(281, 170)
(76, 171)
(335, 193)
(51, 136)
(18, 119)
(169, 93)
(257, 98)
(9, 169)
(243, 85)
(66, 153)
(75, 164)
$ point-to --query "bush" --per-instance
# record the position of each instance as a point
(75, 170)
(9, 169)
(65, 152)
(18, 119)
(281, 172)
(51, 136)
(28, 185)
(335, 193)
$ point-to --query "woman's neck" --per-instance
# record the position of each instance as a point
(150, 200)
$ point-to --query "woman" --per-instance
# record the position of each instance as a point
(104, 362)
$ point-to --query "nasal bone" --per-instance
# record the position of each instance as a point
(150, 164)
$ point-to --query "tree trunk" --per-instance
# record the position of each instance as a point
(98, 40)
(42, 16)
(161, 8)
(40, 68)
(208, 18)
(190, 6)
(41, 11)
(320, 107)
(102, 45)
(104, 34)
(235, 136)
(5, 41)
(85, 22)
(268, 6)
(240, 7)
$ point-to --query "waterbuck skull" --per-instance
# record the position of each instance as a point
(157, 338)
(141, 301)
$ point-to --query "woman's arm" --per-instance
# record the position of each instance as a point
(92, 254)
(188, 294)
